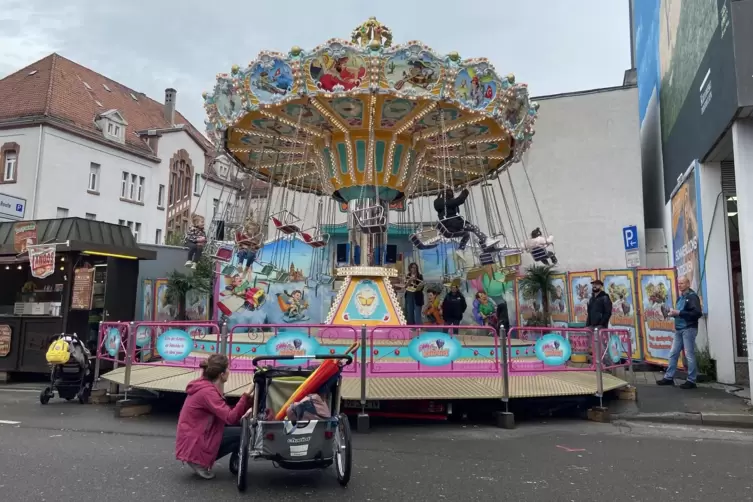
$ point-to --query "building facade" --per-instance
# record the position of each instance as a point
(75, 143)
(695, 85)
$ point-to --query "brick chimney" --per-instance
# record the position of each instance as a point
(169, 110)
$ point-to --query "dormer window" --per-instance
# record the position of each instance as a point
(113, 125)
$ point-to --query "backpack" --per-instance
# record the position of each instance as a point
(59, 352)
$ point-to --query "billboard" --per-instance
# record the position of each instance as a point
(687, 232)
(685, 57)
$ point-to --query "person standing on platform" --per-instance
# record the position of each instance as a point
(687, 312)
(599, 307)
(503, 316)
(453, 307)
(414, 295)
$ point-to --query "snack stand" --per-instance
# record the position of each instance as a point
(62, 276)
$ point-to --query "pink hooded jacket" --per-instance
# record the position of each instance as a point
(202, 420)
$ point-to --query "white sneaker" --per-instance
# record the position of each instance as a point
(193, 265)
(490, 243)
(189, 263)
(200, 471)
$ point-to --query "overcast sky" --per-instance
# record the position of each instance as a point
(553, 45)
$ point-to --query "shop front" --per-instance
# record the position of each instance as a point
(62, 276)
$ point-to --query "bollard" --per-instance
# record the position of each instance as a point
(223, 338)
(362, 424)
(130, 348)
(98, 363)
(505, 419)
(599, 364)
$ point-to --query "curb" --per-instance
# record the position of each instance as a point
(739, 420)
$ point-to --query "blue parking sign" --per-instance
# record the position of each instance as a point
(630, 237)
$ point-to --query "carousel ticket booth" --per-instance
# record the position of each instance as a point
(62, 276)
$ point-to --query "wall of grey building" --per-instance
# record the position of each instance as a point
(169, 258)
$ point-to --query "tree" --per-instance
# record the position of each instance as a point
(538, 280)
(201, 279)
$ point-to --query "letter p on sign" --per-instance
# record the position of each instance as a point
(630, 237)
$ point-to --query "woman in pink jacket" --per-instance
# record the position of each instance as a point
(203, 436)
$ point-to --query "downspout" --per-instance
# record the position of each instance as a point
(40, 146)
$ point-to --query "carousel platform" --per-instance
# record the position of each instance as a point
(164, 378)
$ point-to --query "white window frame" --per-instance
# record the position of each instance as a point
(140, 193)
(121, 223)
(196, 183)
(94, 170)
(93, 216)
(161, 196)
(132, 187)
(136, 231)
(124, 184)
(215, 207)
(10, 163)
(158, 236)
(62, 210)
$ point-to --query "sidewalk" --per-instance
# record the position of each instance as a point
(710, 404)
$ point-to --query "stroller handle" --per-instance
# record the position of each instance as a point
(348, 358)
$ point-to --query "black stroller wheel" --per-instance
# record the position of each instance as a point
(45, 395)
(242, 473)
(343, 451)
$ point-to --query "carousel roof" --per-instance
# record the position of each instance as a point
(356, 118)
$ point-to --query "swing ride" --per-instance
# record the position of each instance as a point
(347, 146)
(367, 124)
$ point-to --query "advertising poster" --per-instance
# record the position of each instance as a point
(41, 261)
(530, 308)
(620, 286)
(5, 339)
(657, 296)
(559, 306)
(687, 232)
(147, 300)
(24, 235)
(579, 290)
(197, 306)
(163, 310)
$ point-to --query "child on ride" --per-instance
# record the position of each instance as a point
(484, 310)
(248, 240)
(452, 225)
(196, 238)
(203, 435)
(433, 311)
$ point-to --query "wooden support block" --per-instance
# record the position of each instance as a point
(129, 408)
(628, 393)
(598, 414)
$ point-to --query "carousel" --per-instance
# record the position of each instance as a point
(366, 126)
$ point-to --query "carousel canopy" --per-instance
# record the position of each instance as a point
(361, 119)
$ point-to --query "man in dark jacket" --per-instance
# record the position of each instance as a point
(599, 307)
(453, 307)
(687, 312)
(452, 225)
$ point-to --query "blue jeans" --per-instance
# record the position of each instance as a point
(684, 339)
(412, 311)
(246, 257)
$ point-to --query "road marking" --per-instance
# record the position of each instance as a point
(8, 422)
(570, 450)
(30, 391)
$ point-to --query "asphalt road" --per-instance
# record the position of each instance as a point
(65, 451)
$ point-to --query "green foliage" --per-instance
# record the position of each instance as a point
(538, 279)
(706, 365)
(179, 283)
(175, 239)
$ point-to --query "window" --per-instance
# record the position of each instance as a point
(136, 231)
(62, 212)
(132, 187)
(161, 196)
(215, 207)
(158, 236)
(140, 195)
(121, 223)
(91, 216)
(117, 131)
(10, 159)
(196, 183)
(129, 224)
(223, 171)
(109, 128)
(124, 185)
(93, 177)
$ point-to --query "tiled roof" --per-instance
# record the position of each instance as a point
(58, 88)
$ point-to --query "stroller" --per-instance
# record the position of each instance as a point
(71, 374)
(303, 445)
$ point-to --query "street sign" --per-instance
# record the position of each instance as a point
(632, 259)
(12, 208)
(630, 237)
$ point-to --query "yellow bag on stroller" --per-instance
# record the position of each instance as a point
(59, 352)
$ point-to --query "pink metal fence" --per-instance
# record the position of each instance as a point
(112, 341)
(581, 342)
(389, 350)
(206, 338)
(616, 348)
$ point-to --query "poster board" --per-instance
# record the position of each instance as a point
(620, 286)
(526, 307)
(147, 300)
(163, 310)
(657, 295)
(197, 306)
(83, 288)
(579, 291)
(687, 232)
(559, 301)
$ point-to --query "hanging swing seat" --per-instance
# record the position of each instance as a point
(286, 222)
(427, 238)
(314, 238)
(224, 253)
(371, 219)
(445, 225)
(266, 269)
